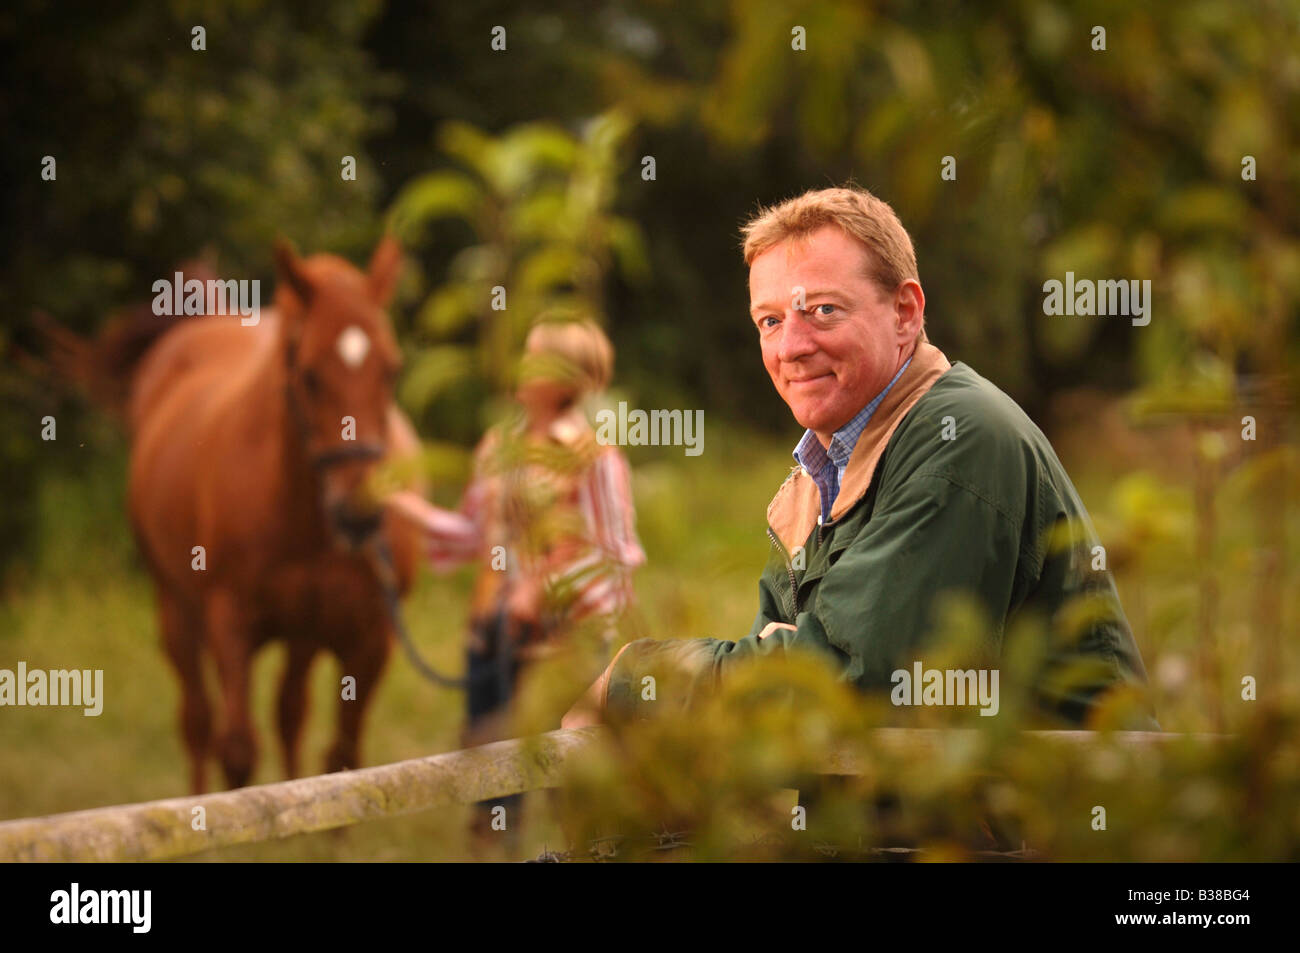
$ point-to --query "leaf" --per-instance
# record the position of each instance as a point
(469, 145)
(443, 194)
(486, 263)
(629, 250)
(1088, 251)
(444, 462)
(450, 308)
(539, 216)
(606, 133)
(1204, 390)
(1205, 209)
(552, 266)
(432, 372)
(543, 144)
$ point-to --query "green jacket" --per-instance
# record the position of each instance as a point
(951, 488)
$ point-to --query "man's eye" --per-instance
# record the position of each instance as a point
(764, 322)
(829, 309)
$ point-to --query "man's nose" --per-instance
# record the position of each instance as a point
(797, 338)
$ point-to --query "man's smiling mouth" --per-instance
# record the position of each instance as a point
(807, 380)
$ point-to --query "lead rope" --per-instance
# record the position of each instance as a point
(386, 573)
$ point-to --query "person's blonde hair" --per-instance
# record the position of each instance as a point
(585, 355)
(855, 210)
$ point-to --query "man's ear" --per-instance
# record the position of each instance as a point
(909, 306)
(385, 266)
(288, 266)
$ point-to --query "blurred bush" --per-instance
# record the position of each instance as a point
(163, 152)
(537, 201)
(717, 785)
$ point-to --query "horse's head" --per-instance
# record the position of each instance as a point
(341, 360)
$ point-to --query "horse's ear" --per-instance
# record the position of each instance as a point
(385, 265)
(289, 267)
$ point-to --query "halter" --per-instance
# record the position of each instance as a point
(323, 459)
(379, 555)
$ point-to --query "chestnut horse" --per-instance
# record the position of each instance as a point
(256, 443)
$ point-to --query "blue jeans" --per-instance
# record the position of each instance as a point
(493, 674)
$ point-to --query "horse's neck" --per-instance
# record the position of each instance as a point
(267, 395)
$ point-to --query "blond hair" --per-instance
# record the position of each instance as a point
(584, 356)
(860, 214)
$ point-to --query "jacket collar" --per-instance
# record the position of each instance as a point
(793, 512)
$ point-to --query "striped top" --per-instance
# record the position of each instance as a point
(558, 510)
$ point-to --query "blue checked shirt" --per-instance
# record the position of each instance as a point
(826, 464)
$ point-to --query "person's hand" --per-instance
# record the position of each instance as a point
(451, 530)
(525, 601)
(772, 627)
(407, 504)
(589, 710)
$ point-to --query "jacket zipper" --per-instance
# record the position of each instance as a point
(822, 529)
(794, 586)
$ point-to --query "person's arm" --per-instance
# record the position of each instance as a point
(873, 609)
(770, 615)
(452, 537)
(438, 523)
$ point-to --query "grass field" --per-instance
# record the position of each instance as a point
(85, 602)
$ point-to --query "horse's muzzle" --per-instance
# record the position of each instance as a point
(346, 453)
(355, 527)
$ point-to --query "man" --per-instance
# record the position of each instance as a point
(917, 479)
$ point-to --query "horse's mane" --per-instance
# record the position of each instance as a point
(101, 366)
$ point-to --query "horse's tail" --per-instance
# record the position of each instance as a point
(102, 366)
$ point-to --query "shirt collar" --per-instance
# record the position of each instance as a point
(813, 457)
(569, 428)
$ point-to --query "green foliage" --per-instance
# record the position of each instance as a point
(537, 200)
(242, 142)
(1118, 163)
(164, 153)
(1126, 161)
(719, 784)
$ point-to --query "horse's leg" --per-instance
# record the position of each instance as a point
(293, 701)
(182, 637)
(365, 661)
(229, 637)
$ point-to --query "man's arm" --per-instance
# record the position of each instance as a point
(873, 611)
(590, 708)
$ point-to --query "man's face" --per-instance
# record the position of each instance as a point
(831, 357)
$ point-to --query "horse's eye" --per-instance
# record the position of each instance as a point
(310, 382)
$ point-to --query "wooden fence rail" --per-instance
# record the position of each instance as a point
(159, 830)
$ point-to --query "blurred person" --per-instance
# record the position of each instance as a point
(549, 516)
(915, 478)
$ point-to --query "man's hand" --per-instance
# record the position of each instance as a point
(772, 627)
(587, 710)
(590, 708)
